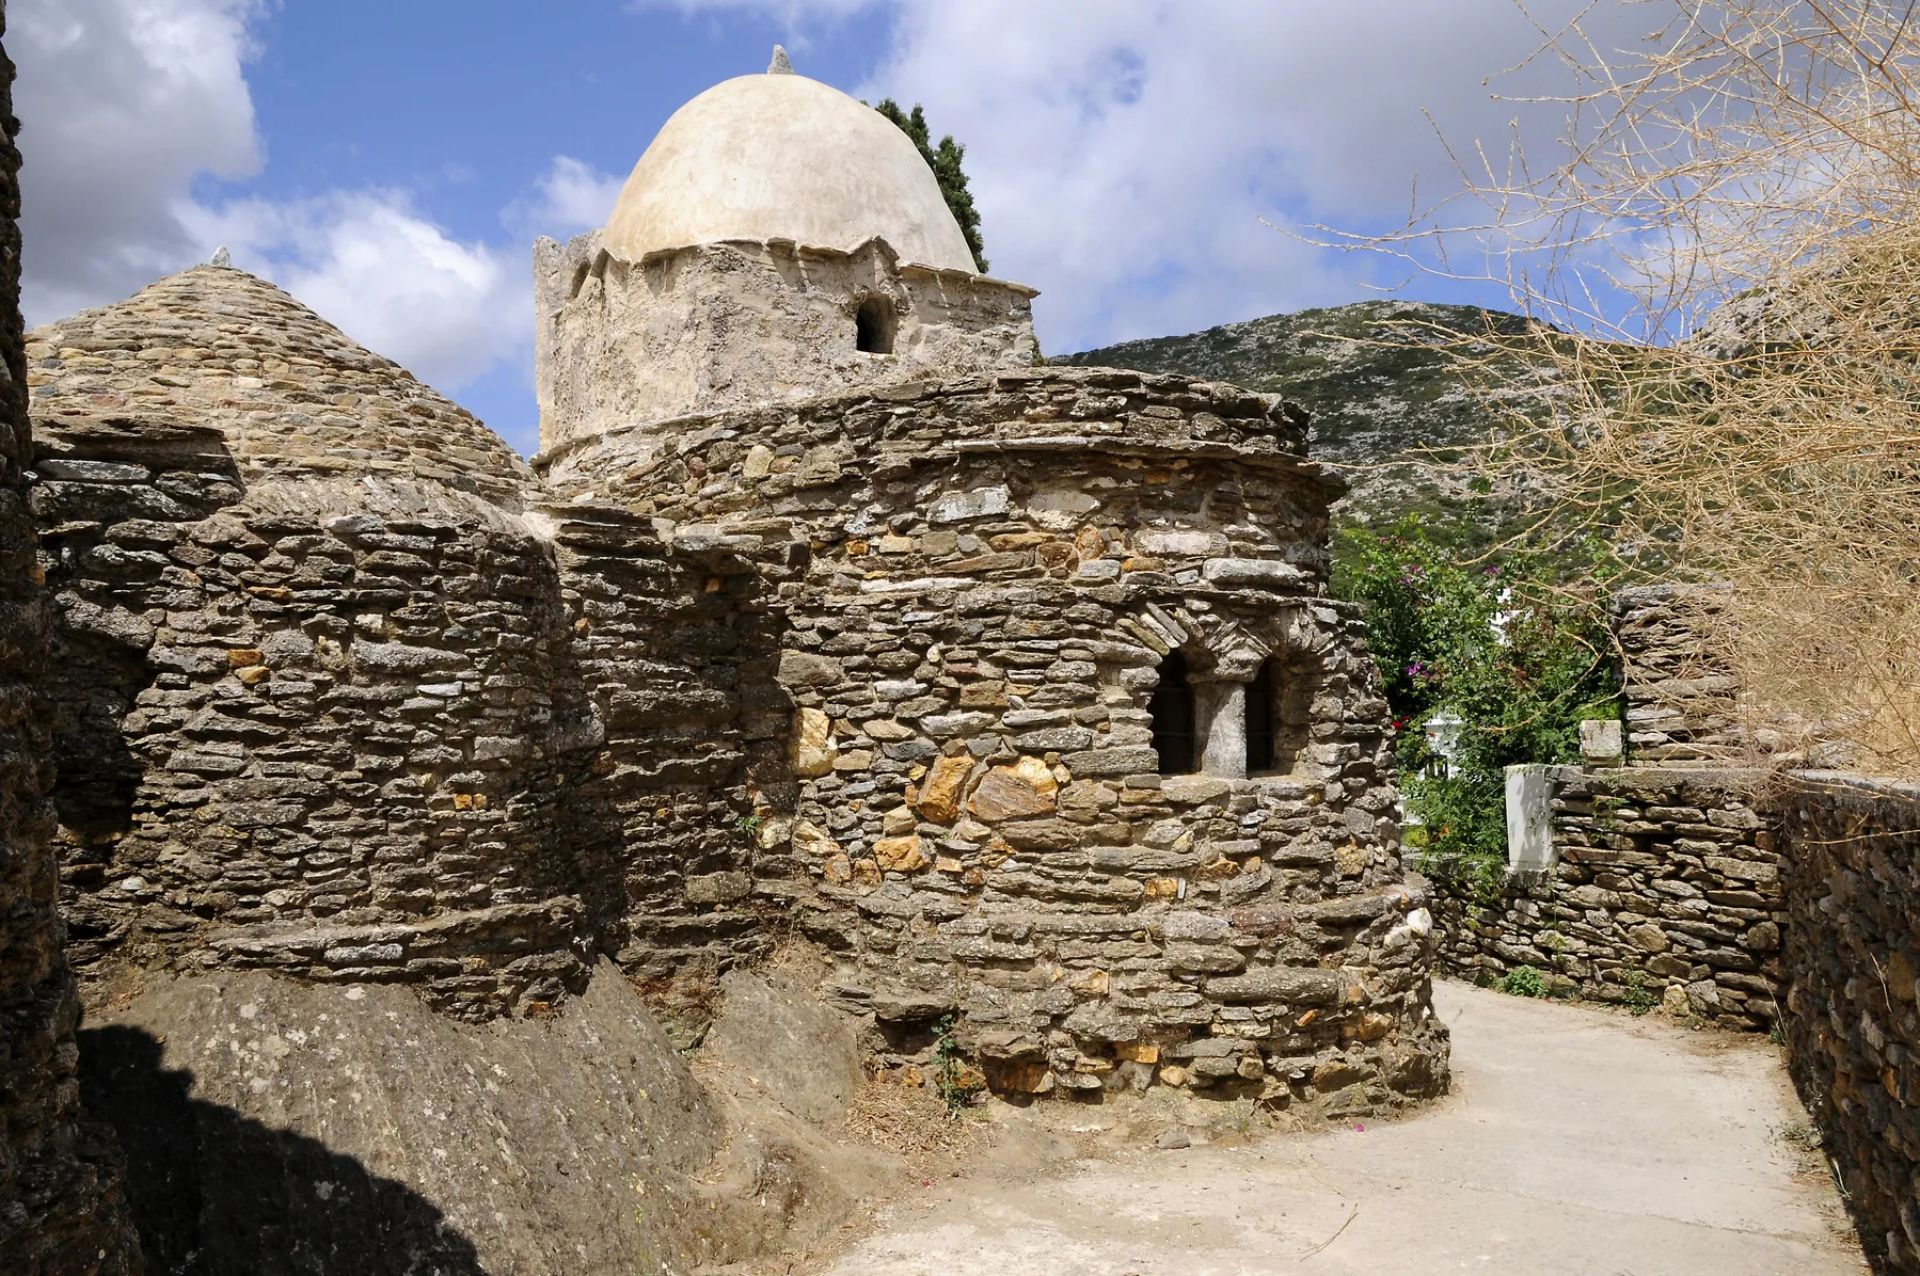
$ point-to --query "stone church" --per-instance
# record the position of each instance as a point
(828, 614)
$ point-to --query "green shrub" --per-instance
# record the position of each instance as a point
(1523, 981)
(1515, 645)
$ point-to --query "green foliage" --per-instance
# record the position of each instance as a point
(1640, 998)
(953, 1079)
(1514, 645)
(1523, 981)
(944, 159)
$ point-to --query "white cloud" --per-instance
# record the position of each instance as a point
(122, 103)
(367, 262)
(125, 103)
(1123, 152)
(570, 197)
(796, 14)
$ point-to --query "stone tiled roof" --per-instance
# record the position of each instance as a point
(298, 402)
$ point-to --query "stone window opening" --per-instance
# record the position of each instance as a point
(1172, 710)
(873, 326)
(1279, 714)
(1262, 710)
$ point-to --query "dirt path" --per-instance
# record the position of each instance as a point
(1576, 1142)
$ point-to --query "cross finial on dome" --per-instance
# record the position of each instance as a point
(780, 65)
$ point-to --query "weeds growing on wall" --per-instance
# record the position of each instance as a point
(1640, 998)
(1507, 644)
(954, 1080)
(1523, 981)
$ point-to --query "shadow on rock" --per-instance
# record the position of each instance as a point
(216, 1194)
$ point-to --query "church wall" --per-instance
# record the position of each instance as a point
(974, 586)
(877, 668)
(319, 744)
(726, 325)
(672, 652)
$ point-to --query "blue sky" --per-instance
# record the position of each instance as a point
(466, 106)
(390, 163)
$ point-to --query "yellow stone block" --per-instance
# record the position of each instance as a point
(812, 748)
(1093, 982)
(939, 797)
(900, 854)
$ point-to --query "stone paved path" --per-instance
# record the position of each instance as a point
(1576, 1142)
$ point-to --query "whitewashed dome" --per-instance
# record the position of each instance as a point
(780, 156)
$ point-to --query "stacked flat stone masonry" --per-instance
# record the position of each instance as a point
(1853, 1007)
(978, 584)
(672, 654)
(879, 666)
(1682, 704)
(307, 658)
(1666, 890)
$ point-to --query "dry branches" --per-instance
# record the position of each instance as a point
(1725, 258)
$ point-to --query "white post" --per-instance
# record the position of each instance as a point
(1530, 818)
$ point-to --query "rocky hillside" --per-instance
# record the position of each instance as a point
(1381, 386)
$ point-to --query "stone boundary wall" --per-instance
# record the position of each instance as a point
(1852, 1019)
(1664, 889)
(1682, 706)
(62, 1209)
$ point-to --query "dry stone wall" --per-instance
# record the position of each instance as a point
(308, 663)
(1750, 899)
(876, 666)
(1682, 704)
(672, 652)
(62, 1212)
(1666, 890)
(1853, 1006)
(975, 584)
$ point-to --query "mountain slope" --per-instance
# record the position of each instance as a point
(1381, 388)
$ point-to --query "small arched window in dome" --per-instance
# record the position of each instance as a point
(873, 326)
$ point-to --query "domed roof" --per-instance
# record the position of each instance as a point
(300, 404)
(780, 156)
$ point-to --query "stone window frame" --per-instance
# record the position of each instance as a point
(1294, 680)
(1222, 668)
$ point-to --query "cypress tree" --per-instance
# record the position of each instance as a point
(944, 160)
